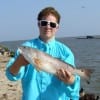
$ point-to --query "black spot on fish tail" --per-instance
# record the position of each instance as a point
(87, 73)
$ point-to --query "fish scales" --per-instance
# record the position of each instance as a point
(45, 62)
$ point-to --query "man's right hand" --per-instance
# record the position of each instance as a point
(20, 61)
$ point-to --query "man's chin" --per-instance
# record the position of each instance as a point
(48, 35)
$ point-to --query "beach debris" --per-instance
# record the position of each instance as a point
(88, 96)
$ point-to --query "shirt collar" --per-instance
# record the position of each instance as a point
(50, 42)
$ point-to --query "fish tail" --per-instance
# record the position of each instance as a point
(87, 74)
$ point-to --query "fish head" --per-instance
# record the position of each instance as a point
(27, 52)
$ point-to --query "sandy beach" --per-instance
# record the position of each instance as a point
(8, 90)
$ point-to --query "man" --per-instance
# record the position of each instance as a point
(41, 85)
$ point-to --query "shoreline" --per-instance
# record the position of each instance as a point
(8, 90)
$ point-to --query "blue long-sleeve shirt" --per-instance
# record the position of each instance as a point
(41, 85)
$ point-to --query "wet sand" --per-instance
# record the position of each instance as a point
(8, 90)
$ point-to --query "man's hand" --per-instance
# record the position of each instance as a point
(65, 76)
(20, 61)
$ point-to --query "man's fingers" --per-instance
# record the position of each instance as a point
(64, 75)
(68, 74)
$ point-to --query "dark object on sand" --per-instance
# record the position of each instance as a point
(88, 96)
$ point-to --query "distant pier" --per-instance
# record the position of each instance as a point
(89, 37)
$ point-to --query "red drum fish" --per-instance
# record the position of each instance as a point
(45, 62)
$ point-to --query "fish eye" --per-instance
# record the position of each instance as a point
(24, 47)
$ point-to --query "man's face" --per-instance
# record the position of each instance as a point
(48, 27)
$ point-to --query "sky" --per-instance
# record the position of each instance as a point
(18, 18)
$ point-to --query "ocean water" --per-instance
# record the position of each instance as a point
(87, 55)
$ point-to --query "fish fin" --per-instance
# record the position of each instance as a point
(38, 63)
(87, 74)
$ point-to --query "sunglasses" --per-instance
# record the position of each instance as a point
(45, 23)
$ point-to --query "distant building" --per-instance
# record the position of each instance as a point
(89, 37)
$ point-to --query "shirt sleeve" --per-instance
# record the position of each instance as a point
(19, 75)
(67, 55)
(73, 89)
(21, 72)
